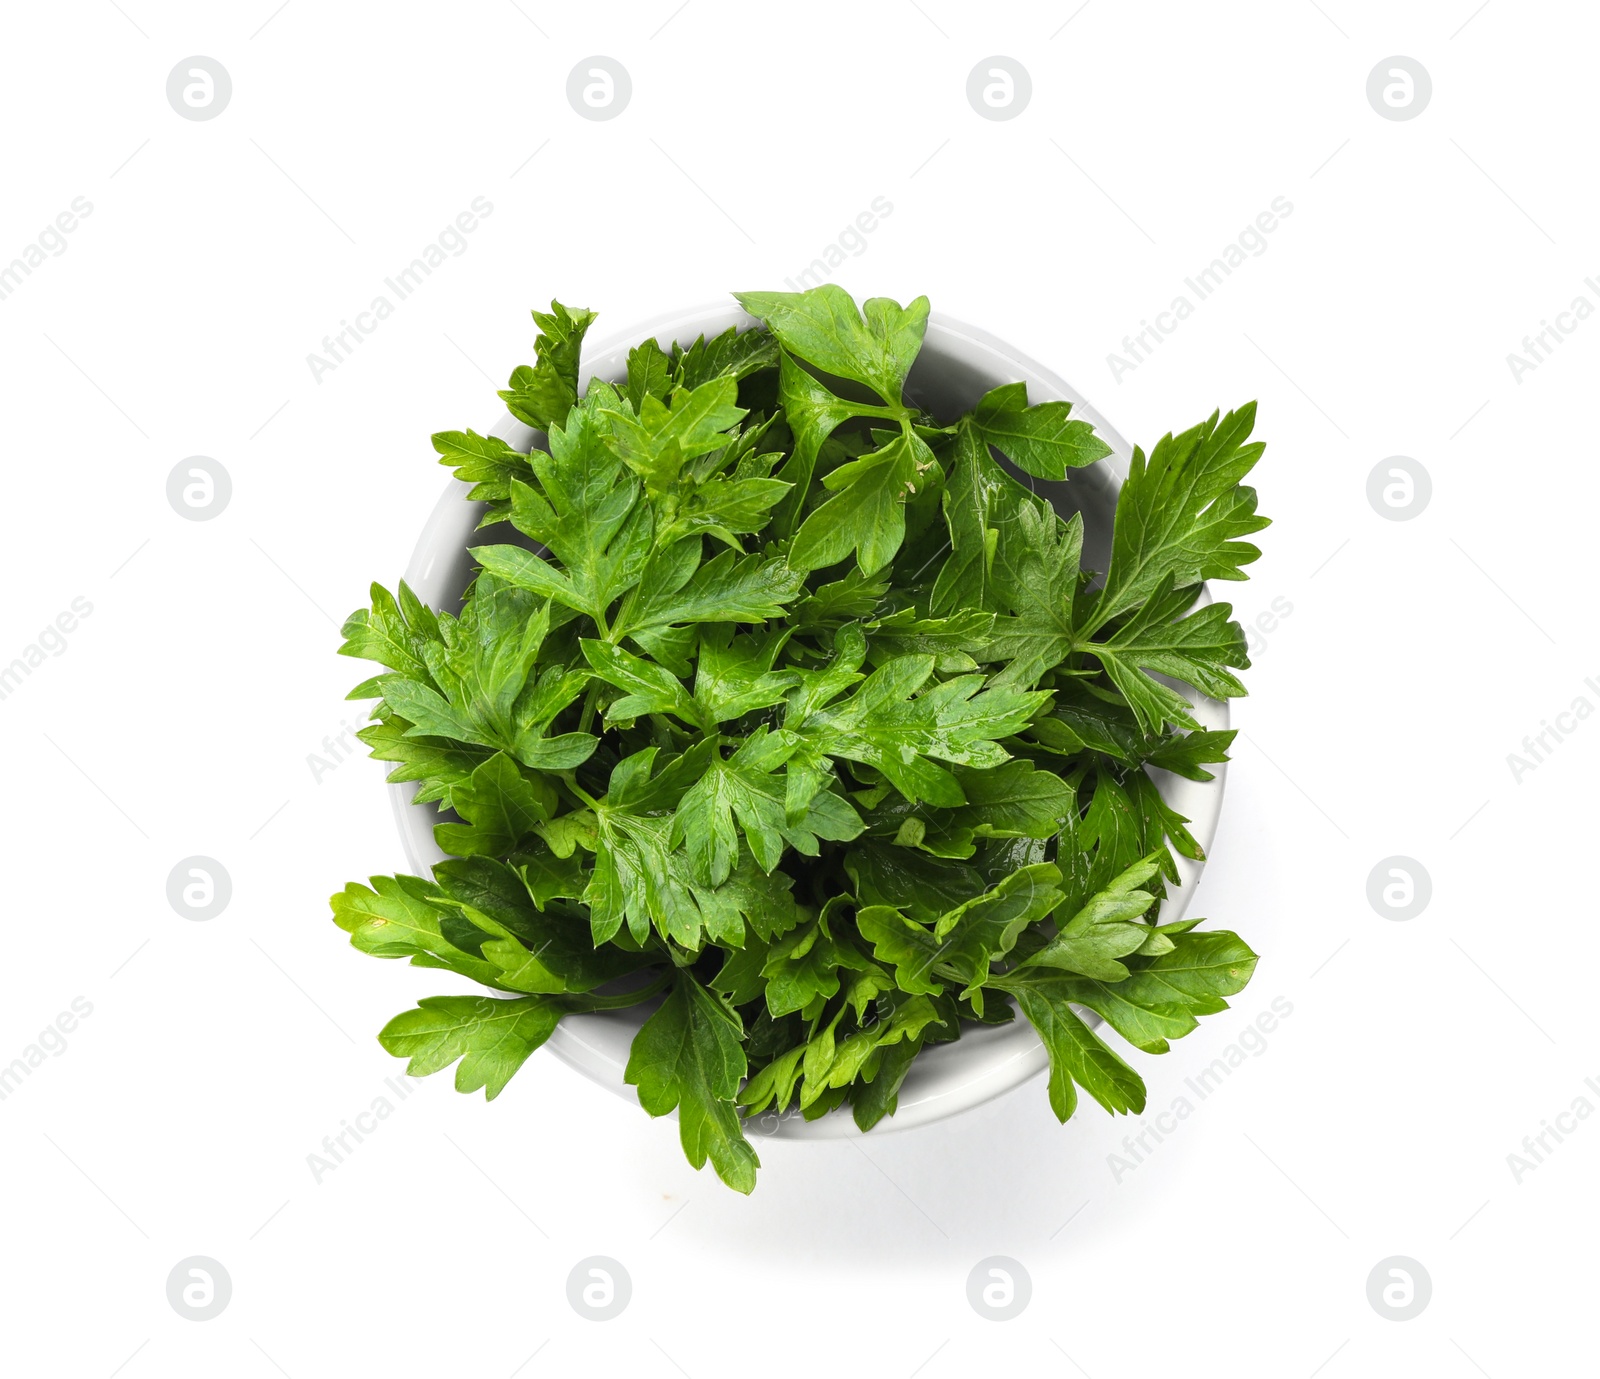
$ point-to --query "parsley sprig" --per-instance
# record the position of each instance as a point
(790, 707)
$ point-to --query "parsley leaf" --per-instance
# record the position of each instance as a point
(888, 724)
(488, 464)
(501, 807)
(1198, 648)
(492, 1038)
(1181, 512)
(875, 345)
(747, 787)
(965, 940)
(1039, 439)
(689, 1056)
(396, 917)
(541, 395)
(1161, 999)
(727, 588)
(1036, 582)
(1078, 1058)
(1104, 929)
(734, 354)
(586, 512)
(867, 515)
(657, 442)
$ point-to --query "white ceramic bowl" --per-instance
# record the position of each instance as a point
(958, 364)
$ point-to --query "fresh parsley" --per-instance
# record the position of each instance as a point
(789, 706)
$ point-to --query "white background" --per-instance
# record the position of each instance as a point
(179, 718)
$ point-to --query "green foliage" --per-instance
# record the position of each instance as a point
(795, 708)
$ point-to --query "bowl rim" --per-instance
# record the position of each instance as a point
(946, 1079)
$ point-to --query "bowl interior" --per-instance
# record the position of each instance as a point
(958, 364)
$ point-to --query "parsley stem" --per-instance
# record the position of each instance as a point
(589, 701)
(571, 782)
(623, 999)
